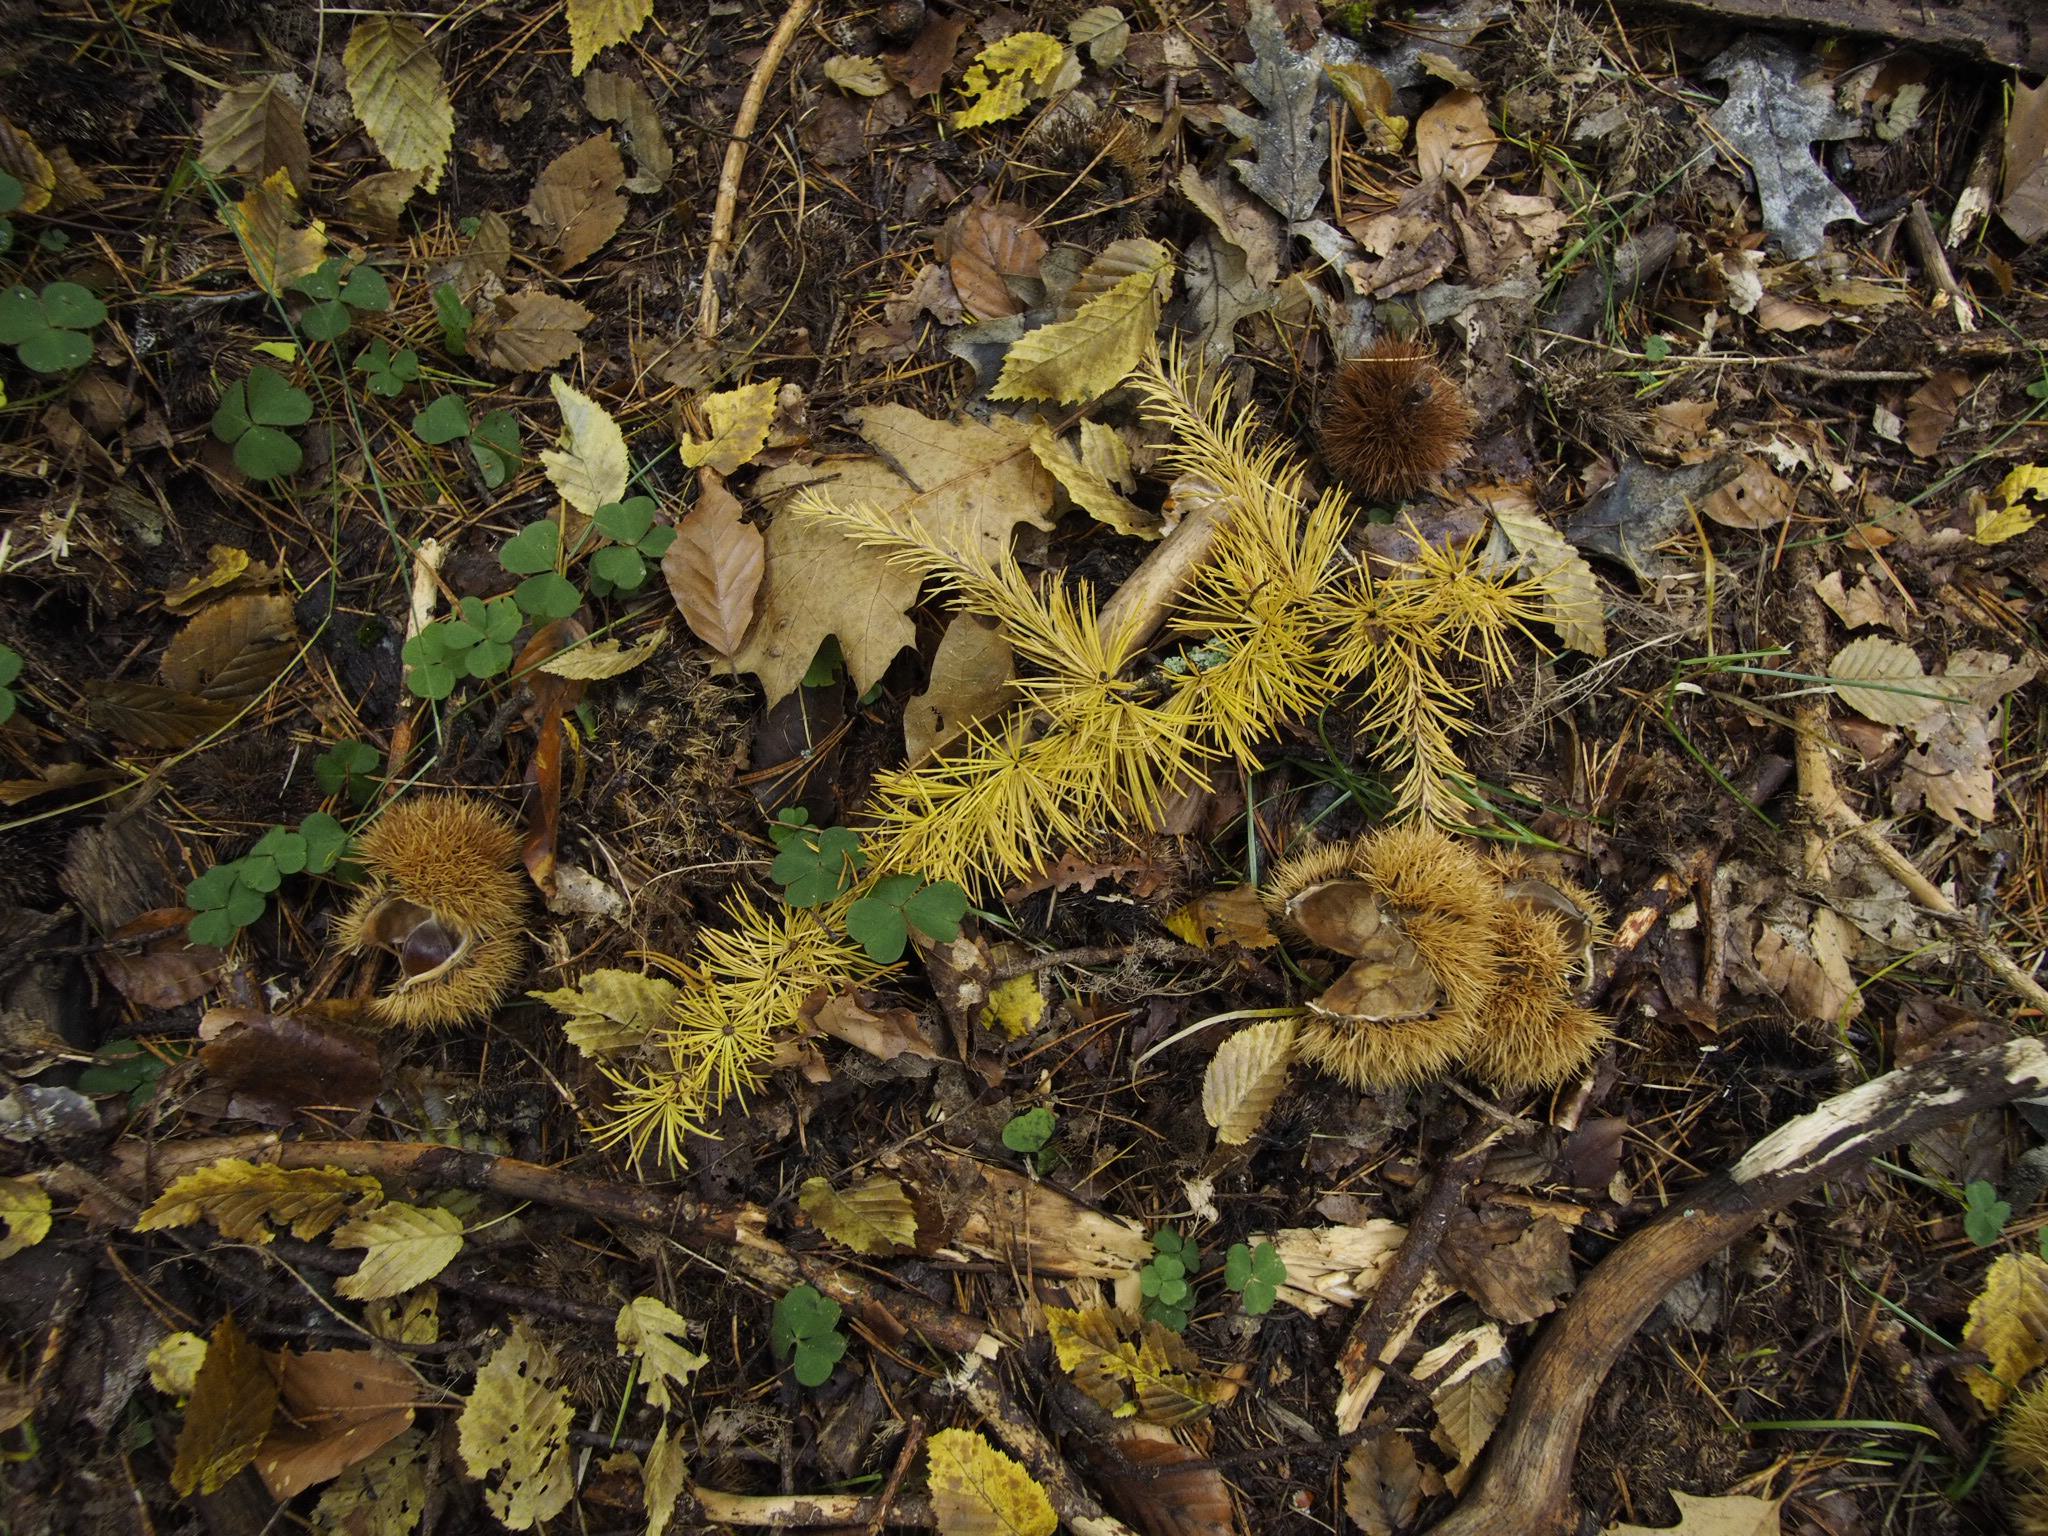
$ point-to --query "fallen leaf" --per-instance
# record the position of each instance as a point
(589, 469)
(857, 76)
(983, 245)
(1454, 139)
(1571, 593)
(1382, 1484)
(595, 25)
(286, 1063)
(593, 661)
(714, 569)
(148, 716)
(885, 1035)
(1858, 607)
(1162, 1486)
(577, 203)
(167, 973)
(978, 1491)
(2023, 202)
(618, 99)
(921, 68)
(1514, 1281)
(654, 1332)
(376, 200)
(1931, 410)
(255, 128)
(1089, 355)
(341, 1406)
(234, 1400)
(968, 482)
(233, 649)
(25, 1212)
(400, 97)
(382, 1495)
(1732, 1514)
(1806, 962)
(1468, 1378)
(1882, 680)
(1005, 74)
(513, 1433)
(27, 164)
(529, 330)
(1102, 30)
(1096, 477)
(970, 680)
(611, 1010)
(1291, 143)
(275, 246)
(403, 1246)
(242, 1199)
(2008, 1322)
(874, 1216)
(1243, 1079)
(1235, 916)
(740, 419)
(1757, 497)
(1950, 771)
(1129, 1366)
(1773, 116)
(666, 1475)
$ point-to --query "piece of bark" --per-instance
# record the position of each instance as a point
(2006, 32)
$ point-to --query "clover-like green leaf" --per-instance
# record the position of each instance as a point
(818, 867)
(213, 928)
(21, 315)
(264, 453)
(547, 596)
(366, 290)
(328, 321)
(442, 420)
(72, 307)
(274, 401)
(620, 565)
(626, 521)
(494, 444)
(54, 351)
(323, 838)
(532, 549)
(346, 767)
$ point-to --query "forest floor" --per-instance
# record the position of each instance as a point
(719, 733)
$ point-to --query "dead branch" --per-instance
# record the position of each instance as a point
(2000, 31)
(1525, 1482)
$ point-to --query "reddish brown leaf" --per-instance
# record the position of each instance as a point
(985, 243)
(714, 568)
(884, 1035)
(278, 1064)
(1162, 1487)
(145, 715)
(341, 1405)
(1931, 410)
(169, 972)
(921, 68)
(232, 649)
(576, 203)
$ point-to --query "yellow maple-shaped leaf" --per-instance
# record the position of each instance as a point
(1090, 485)
(234, 1399)
(1997, 524)
(1571, 594)
(400, 97)
(174, 1363)
(382, 1495)
(2009, 1323)
(654, 1332)
(25, 1209)
(594, 25)
(589, 469)
(665, 1477)
(978, 1491)
(1000, 79)
(597, 660)
(403, 1246)
(275, 246)
(611, 1010)
(1089, 355)
(1245, 1076)
(740, 419)
(240, 1197)
(874, 1216)
(514, 1432)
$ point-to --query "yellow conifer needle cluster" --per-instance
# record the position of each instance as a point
(1277, 621)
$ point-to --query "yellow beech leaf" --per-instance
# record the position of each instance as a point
(174, 1363)
(275, 246)
(514, 1432)
(1089, 355)
(654, 1332)
(234, 1399)
(589, 469)
(384, 1494)
(978, 1491)
(611, 1010)
(874, 1216)
(25, 1209)
(1245, 1076)
(665, 1477)
(1128, 1367)
(21, 159)
(404, 1246)
(1571, 594)
(400, 98)
(594, 25)
(412, 1318)
(1996, 525)
(857, 76)
(739, 427)
(1000, 78)
(239, 1197)
(1086, 477)
(596, 660)
(2009, 1323)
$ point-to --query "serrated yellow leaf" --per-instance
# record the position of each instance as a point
(174, 1363)
(597, 660)
(411, 1318)
(2009, 1323)
(27, 164)
(234, 1399)
(2025, 480)
(740, 419)
(1882, 680)
(611, 1010)
(239, 1197)
(1997, 524)
(666, 1475)
(874, 1216)
(1089, 487)
(1089, 355)
(514, 1432)
(1128, 1367)
(1245, 1076)
(400, 98)
(1000, 79)
(594, 25)
(589, 469)
(978, 1491)
(404, 1246)
(25, 1209)
(654, 1332)
(1571, 593)
(382, 1495)
(275, 247)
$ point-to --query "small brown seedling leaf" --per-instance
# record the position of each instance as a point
(714, 568)
(514, 1432)
(595, 25)
(400, 97)
(1244, 1077)
(242, 1198)
(404, 1246)
(1882, 680)
(971, 675)
(528, 331)
(739, 419)
(255, 129)
(276, 247)
(234, 1400)
(875, 1216)
(654, 1332)
(577, 202)
(978, 1491)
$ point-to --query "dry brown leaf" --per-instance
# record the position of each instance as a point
(1468, 1378)
(1931, 410)
(618, 99)
(714, 568)
(1514, 1281)
(1731, 1514)
(970, 680)
(1382, 1484)
(982, 245)
(376, 200)
(921, 68)
(1758, 497)
(21, 159)
(234, 1399)
(275, 246)
(1860, 606)
(232, 649)
(254, 129)
(1454, 141)
(1883, 680)
(1951, 770)
(1571, 600)
(576, 203)
(1174, 1491)
(1235, 916)
(528, 331)
(973, 482)
(1096, 478)
(145, 715)
(341, 1406)
(885, 1035)
(1808, 967)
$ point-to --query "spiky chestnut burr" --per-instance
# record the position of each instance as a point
(1393, 421)
(445, 899)
(1533, 1032)
(1415, 912)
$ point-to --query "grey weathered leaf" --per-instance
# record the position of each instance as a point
(1774, 117)
(1293, 138)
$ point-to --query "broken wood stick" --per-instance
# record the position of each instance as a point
(1524, 1484)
